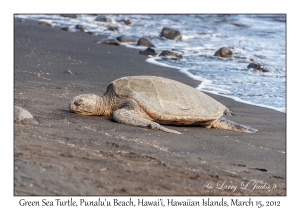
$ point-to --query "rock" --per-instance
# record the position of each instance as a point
(144, 42)
(171, 34)
(43, 23)
(67, 29)
(149, 51)
(69, 72)
(238, 24)
(91, 33)
(103, 19)
(109, 41)
(69, 16)
(22, 116)
(79, 27)
(169, 54)
(113, 28)
(205, 33)
(224, 52)
(257, 66)
(126, 22)
(126, 39)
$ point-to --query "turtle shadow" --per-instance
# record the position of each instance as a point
(111, 119)
(66, 111)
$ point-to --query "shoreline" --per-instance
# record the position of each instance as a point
(194, 77)
(71, 154)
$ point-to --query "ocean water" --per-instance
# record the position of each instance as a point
(259, 37)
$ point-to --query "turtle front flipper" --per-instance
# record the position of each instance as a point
(225, 124)
(132, 117)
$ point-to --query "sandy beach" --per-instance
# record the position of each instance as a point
(71, 154)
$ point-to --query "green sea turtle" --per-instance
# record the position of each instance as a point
(148, 101)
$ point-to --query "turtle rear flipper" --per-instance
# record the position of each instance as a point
(132, 117)
(225, 124)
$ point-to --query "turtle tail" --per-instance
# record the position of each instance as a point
(225, 124)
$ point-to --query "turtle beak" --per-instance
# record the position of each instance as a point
(72, 107)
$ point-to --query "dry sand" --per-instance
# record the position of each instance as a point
(71, 154)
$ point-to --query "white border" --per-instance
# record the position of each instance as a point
(154, 6)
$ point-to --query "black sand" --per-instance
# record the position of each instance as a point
(71, 154)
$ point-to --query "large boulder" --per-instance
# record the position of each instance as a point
(112, 28)
(149, 51)
(43, 23)
(169, 54)
(91, 33)
(22, 116)
(109, 41)
(171, 34)
(145, 42)
(224, 52)
(126, 22)
(126, 39)
(103, 19)
(68, 29)
(79, 27)
(258, 67)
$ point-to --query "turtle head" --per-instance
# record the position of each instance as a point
(85, 104)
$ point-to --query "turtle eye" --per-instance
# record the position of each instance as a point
(78, 102)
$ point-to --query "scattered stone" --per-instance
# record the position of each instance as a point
(113, 28)
(126, 22)
(109, 41)
(67, 29)
(22, 116)
(69, 72)
(145, 42)
(69, 16)
(149, 51)
(224, 52)
(238, 24)
(257, 66)
(171, 34)
(112, 144)
(126, 39)
(103, 19)
(79, 27)
(43, 23)
(204, 33)
(169, 54)
(91, 33)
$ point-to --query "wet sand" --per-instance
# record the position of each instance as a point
(72, 154)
